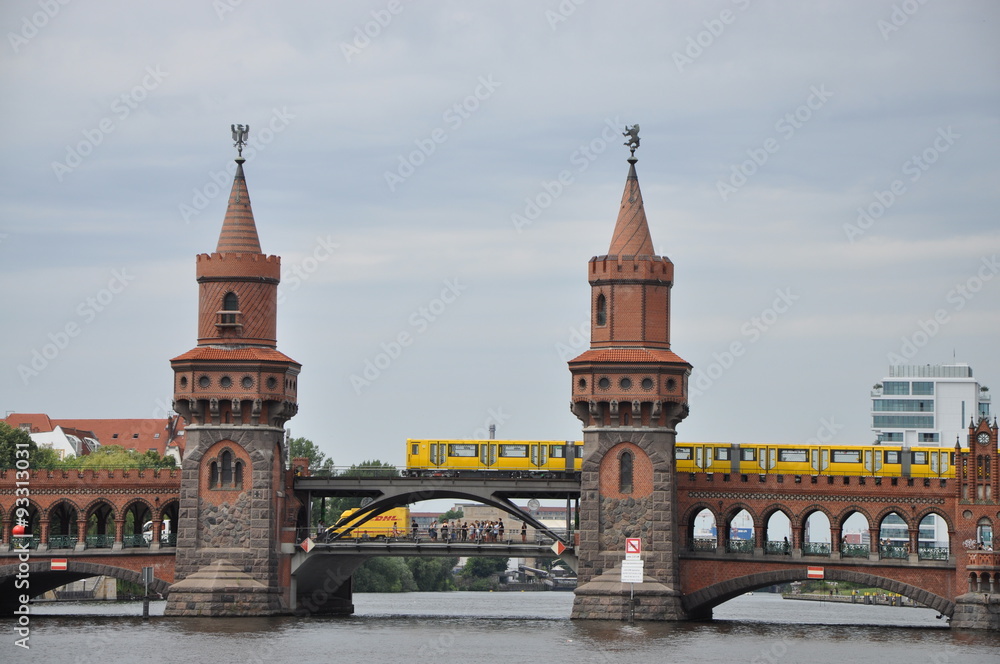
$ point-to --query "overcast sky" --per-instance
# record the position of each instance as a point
(444, 171)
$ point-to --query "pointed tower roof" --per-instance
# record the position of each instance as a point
(239, 232)
(631, 236)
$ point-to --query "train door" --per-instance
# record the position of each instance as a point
(767, 458)
(702, 456)
(488, 454)
(819, 459)
(437, 454)
(939, 462)
(904, 462)
(873, 461)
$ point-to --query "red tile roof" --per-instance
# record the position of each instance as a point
(137, 434)
(239, 232)
(631, 236)
(249, 353)
(629, 355)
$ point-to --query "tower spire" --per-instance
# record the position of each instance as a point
(631, 236)
(239, 231)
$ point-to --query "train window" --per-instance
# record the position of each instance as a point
(463, 450)
(414, 449)
(846, 456)
(682, 453)
(556, 451)
(920, 458)
(722, 454)
(748, 454)
(794, 456)
(892, 457)
(519, 451)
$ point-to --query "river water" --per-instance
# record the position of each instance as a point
(508, 628)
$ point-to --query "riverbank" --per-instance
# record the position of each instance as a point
(874, 599)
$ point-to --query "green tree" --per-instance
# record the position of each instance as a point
(482, 567)
(373, 468)
(10, 438)
(116, 456)
(451, 515)
(432, 574)
(384, 575)
(318, 462)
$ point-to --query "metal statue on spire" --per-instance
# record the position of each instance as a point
(240, 133)
(632, 134)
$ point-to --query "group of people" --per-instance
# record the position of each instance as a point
(477, 531)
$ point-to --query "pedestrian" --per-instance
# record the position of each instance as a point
(524, 532)
(413, 529)
(444, 531)
(465, 530)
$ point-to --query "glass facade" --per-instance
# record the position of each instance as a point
(922, 388)
(903, 421)
(903, 405)
(895, 388)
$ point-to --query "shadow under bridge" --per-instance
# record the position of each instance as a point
(387, 493)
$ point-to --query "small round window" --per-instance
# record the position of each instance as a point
(226, 382)
(604, 383)
(247, 382)
(647, 383)
(626, 383)
(271, 383)
(204, 381)
(184, 381)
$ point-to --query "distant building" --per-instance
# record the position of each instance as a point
(927, 405)
(80, 437)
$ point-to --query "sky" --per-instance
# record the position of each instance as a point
(436, 176)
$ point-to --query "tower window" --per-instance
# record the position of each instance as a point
(625, 472)
(213, 475)
(227, 468)
(602, 311)
(230, 303)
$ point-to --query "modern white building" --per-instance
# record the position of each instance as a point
(927, 405)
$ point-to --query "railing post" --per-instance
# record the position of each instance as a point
(119, 535)
(81, 534)
(154, 542)
(43, 542)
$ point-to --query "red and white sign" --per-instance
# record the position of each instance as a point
(558, 547)
(633, 547)
(307, 544)
(59, 564)
(814, 572)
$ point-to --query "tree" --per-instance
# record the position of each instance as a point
(116, 456)
(432, 574)
(484, 567)
(384, 575)
(451, 515)
(303, 447)
(12, 440)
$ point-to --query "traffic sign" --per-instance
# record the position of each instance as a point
(558, 547)
(632, 571)
(633, 548)
(814, 572)
(307, 544)
(59, 565)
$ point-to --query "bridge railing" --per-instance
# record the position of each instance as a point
(100, 541)
(132, 541)
(62, 541)
(778, 548)
(739, 546)
(893, 551)
(703, 544)
(933, 553)
(815, 548)
(854, 550)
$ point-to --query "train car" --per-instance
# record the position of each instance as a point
(792, 459)
(388, 525)
(493, 458)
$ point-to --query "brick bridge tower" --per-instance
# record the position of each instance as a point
(235, 391)
(630, 391)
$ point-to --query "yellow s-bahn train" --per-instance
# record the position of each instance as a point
(493, 458)
(762, 458)
(548, 458)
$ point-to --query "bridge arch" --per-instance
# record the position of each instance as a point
(700, 603)
(886, 511)
(847, 513)
(43, 579)
(687, 523)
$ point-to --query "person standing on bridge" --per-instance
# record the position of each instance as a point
(524, 532)
(444, 531)
(413, 530)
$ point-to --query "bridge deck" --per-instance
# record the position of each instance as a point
(377, 486)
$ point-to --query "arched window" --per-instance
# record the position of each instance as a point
(238, 475)
(602, 310)
(625, 472)
(984, 532)
(213, 475)
(230, 303)
(227, 468)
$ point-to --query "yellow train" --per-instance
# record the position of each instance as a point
(493, 458)
(556, 458)
(762, 458)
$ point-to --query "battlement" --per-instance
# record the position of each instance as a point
(631, 267)
(230, 264)
(64, 478)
